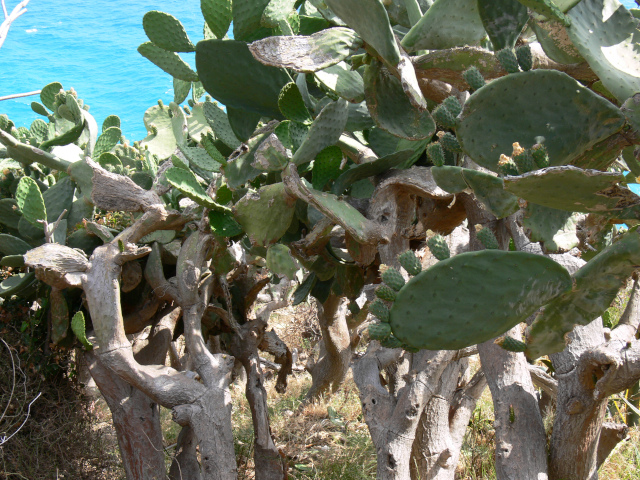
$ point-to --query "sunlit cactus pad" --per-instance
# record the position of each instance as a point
(473, 297)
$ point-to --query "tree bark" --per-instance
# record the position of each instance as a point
(330, 370)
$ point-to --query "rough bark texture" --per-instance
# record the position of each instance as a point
(438, 442)
(185, 465)
(520, 437)
(330, 370)
(270, 464)
(136, 419)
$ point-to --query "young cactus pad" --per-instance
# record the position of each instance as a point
(473, 297)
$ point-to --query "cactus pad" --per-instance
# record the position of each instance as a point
(446, 24)
(390, 107)
(606, 35)
(525, 57)
(527, 105)
(474, 78)
(78, 327)
(166, 32)
(487, 238)
(280, 261)
(386, 293)
(30, 201)
(324, 132)
(503, 20)
(393, 278)
(380, 310)
(439, 248)
(450, 142)
(574, 189)
(266, 214)
(256, 89)
(170, 62)
(370, 20)
(436, 154)
(444, 117)
(490, 191)
(510, 344)
(449, 178)
(379, 331)
(292, 105)
(410, 262)
(508, 60)
(391, 342)
(453, 105)
(473, 297)
(596, 285)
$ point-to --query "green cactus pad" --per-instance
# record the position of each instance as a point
(186, 182)
(510, 344)
(362, 171)
(219, 122)
(342, 213)
(243, 123)
(302, 292)
(166, 32)
(169, 129)
(170, 62)
(631, 110)
(503, 20)
(391, 342)
(14, 261)
(9, 213)
(199, 158)
(292, 105)
(266, 214)
(393, 278)
(370, 20)
(181, 90)
(525, 57)
(258, 87)
(16, 284)
(474, 78)
(218, 15)
(446, 24)
(573, 189)
(508, 167)
(58, 198)
(596, 285)
(342, 81)
(324, 132)
(107, 141)
(526, 105)
(111, 121)
(473, 297)
(439, 248)
(380, 310)
(307, 53)
(379, 331)
(390, 107)
(524, 162)
(436, 154)
(280, 261)
(384, 292)
(39, 129)
(554, 39)
(547, 8)
(508, 60)
(271, 156)
(48, 94)
(10, 245)
(247, 17)
(450, 142)
(410, 262)
(78, 327)
(449, 178)
(444, 117)
(453, 105)
(490, 191)
(30, 201)
(326, 167)
(540, 155)
(488, 239)
(65, 138)
(606, 35)
(556, 229)
(240, 170)
(277, 12)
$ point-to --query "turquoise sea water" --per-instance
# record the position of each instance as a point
(91, 46)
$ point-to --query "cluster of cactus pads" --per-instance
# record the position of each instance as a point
(313, 105)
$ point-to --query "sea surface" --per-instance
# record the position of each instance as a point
(91, 46)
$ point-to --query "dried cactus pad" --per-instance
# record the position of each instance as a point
(473, 297)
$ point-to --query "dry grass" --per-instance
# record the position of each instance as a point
(70, 436)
